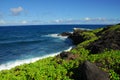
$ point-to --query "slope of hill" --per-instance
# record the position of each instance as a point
(101, 47)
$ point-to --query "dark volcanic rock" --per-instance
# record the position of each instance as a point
(67, 56)
(109, 40)
(104, 29)
(76, 37)
(65, 34)
(90, 71)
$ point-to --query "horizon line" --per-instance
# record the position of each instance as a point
(57, 24)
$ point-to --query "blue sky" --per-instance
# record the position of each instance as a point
(23, 12)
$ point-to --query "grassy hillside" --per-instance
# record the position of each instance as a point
(57, 68)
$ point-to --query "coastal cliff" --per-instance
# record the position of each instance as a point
(95, 56)
(106, 38)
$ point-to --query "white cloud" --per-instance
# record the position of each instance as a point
(16, 11)
(101, 19)
(94, 19)
(87, 19)
(24, 22)
(58, 21)
(63, 21)
(2, 22)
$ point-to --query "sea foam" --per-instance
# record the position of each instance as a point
(13, 64)
(56, 36)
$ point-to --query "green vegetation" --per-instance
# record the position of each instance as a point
(54, 68)
(112, 28)
(97, 30)
(109, 61)
(45, 69)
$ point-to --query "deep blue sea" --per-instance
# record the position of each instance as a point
(25, 44)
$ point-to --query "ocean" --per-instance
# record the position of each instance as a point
(26, 44)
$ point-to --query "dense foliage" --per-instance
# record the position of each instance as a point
(54, 68)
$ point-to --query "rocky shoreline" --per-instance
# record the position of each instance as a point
(108, 38)
(96, 56)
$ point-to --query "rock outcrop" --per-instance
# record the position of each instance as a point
(109, 39)
(65, 34)
(77, 37)
(89, 71)
(67, 56)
